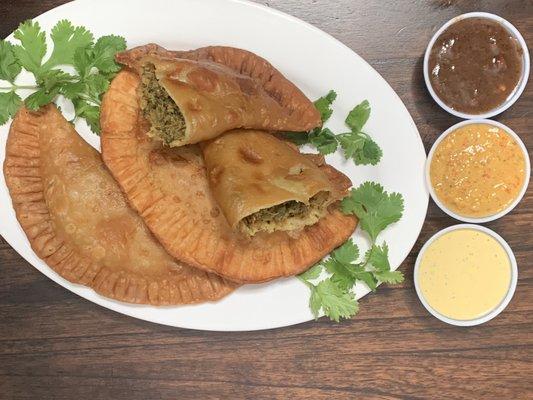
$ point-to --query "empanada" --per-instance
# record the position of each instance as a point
(77, 219)
(264, 184)
(170, 190)
(188, 97)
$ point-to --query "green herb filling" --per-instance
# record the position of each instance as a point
(168, 124)
(286, 216)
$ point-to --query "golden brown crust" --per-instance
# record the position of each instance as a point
(131, 56)
(169, 189)
(79, 223)
(222, 88)
(273, 82)
(252, 170)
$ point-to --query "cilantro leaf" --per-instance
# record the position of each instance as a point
(40, 98)
(335, 303)
(356, 144)
(92, 117)
(341, 274)
(344, 272)
(105, 49)
(101, 57)
(378, 257)
(346, 275)
(358, 117)
(96, 85)
(72, 90)
(50, 85)
(53, 78)
(32, 46)
(315, 302)
(351, 142)
(367, 277)
(323, 105)
(67, 39)
(312, 273)
(10, 102)
(360, 147)
(298, 138)
(324, 140)
(90, 112)
(370, 153)
(390, 276)
(375, 208)
(83, 61)
(347, 253)
(9, 67)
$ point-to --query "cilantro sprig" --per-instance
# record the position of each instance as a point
(356, 144)
(73, 46)
(334, 296)
(375, 208)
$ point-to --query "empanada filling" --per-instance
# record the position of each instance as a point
(286, 216)
(168, 124)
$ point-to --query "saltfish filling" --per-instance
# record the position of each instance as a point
(285, 216)
(159, 109)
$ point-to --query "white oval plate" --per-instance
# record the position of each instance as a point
(314, 61)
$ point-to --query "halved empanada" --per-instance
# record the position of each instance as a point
(77, 219)
(193, 96)
(263, 184)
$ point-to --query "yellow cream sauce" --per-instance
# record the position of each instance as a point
(477, 170)
(464, 274)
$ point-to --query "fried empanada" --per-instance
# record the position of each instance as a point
(170, 190)
(263, 184)
(77, 219)
(193, 96)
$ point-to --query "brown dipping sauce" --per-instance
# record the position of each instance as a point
(475, 65)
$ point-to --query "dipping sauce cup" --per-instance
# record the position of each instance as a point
(477, 170)
(465, 275)
(476, 65)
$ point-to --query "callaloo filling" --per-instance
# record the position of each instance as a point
(286, 216)
(168, 124)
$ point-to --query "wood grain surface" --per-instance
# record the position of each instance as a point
(55, 345)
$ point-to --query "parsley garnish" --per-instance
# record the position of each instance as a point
(356, 144)
(376, 210)
(73, 46)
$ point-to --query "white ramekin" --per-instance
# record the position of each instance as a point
(499, 308)
(479, 220)
(521, 84)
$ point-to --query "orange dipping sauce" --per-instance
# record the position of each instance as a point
(478, 170)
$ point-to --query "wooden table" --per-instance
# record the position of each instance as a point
(55, 345)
